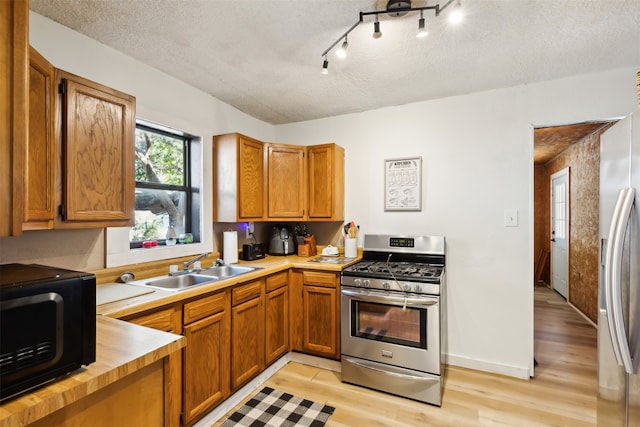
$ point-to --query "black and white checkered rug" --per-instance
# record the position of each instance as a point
(277, 409)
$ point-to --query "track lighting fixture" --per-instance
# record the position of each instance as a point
(376, 29)
(342, 51)
(395, 8)
(422, 31)
(325, 66)
(455, 17)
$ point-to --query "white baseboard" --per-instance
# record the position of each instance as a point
(480, 365)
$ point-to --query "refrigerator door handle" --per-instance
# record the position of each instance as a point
(613, 292)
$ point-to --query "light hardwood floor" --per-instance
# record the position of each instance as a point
(563, 392)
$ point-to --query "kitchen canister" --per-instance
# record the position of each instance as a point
(230, 247)
(350, 247)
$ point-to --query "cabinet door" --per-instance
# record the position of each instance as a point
(206, 365)
(238, 178)
(38, 198)
(286, 181)
(250, 179)
(320, 321)
(98, 125)
(14, 62)
(247, 341)
(326, 182)
(276, 324)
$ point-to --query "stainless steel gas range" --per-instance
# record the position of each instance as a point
(392, 317)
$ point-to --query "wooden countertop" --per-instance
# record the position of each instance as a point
(121, 349)
(266, 266)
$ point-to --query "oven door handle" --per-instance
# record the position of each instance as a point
(385, 372)
(389, 299)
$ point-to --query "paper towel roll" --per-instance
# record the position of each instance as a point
(230, 247)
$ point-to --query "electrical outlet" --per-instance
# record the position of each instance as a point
(249, 230)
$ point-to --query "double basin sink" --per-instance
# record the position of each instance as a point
(183, 280)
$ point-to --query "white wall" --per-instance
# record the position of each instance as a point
(477, 162)
(159, 98)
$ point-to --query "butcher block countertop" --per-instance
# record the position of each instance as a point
(270, 264)
(122, 348)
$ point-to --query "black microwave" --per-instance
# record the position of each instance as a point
(47, 325)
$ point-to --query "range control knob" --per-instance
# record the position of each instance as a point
(386, 285)
(367, 283)
(417, 288)
(406, 287)
(357, 282)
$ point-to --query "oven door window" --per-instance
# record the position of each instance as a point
(389, 323)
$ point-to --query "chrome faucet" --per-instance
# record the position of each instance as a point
(189, 263)
(219, 263)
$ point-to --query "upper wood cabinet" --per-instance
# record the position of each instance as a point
(97, 130)
(238, 178)
(14, 63)
(39, 210)
(326, 182)
(286, 189)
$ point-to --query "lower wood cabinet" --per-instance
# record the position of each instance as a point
(276, 317)
(247, 332)
(315, 312)
(168, 319)
(206, 356)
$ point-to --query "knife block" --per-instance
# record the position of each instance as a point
(311, 242)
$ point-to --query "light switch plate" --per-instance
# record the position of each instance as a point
(510, 217)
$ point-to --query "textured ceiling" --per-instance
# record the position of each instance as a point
(264, 57)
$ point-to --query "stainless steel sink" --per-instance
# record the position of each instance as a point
(225, 271)
(181, 282)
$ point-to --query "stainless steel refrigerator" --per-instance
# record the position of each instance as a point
(619, 281)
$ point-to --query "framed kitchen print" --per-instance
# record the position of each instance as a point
(403, 184)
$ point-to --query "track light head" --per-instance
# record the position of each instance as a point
(342, 51)
(422, 30)
(456, 15)
(376, 29)
(325, 66)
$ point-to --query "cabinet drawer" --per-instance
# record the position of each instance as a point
(277, 280)
(246, 292)
(161, 320)
(204, 307)
(319, 279)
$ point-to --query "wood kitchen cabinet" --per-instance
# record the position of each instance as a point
(97, 125)
(315, 312)
(206, 356)
(247, 332)
(276, 316)
(326, 182)
(39, 211)
(286, 188)
(14, 108)
(167, 319)
(238, 178)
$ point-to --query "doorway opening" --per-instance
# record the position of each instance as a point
(571, 151)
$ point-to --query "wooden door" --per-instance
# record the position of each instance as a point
(276, 324)
(206, 365)
(320, 321)
(247, 341)
(286, 187)
(98, 125)
(39, 208)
